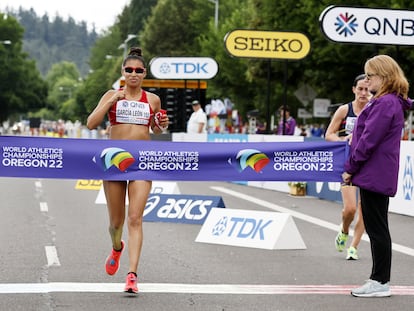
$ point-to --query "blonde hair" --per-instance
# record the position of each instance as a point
(394, 80)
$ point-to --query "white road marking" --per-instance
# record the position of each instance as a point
(396, 247)
(44, 207)
(38, 184)
(176, 288)
(52, 256)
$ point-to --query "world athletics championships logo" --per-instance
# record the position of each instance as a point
(251, 157)
(408, 179)
(346, 24)
(118, 157)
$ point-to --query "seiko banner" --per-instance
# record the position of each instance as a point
(185, 68)
(267, 44)
(155, 160)
(366, 25)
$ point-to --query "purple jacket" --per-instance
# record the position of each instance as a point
(375, 149)
(290, 126)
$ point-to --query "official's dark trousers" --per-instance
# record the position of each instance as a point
(375, 213)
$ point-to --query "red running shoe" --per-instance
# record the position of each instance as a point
(112, 261)
(131, 283)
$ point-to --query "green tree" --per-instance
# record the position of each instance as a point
(106, 55)
(133, 16)
(232, 80)
(52, 41)
(172, 29)
(65, 69)
(105, 62)
(63, 82)
(329, 68)
(186, 28)
(97, 83)
(22, 90)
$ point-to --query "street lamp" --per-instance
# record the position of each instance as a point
(216, 7)
(125, 45)
(6, 42)
(68, 90)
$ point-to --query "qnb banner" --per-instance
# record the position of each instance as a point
(368, 25)
(158, 160)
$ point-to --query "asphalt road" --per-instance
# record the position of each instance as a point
(54, 242)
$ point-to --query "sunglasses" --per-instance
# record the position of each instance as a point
(136, 69)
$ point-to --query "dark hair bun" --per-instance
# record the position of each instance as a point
(135, 51)
(359, 78)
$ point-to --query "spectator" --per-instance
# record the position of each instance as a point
(316, 130)
(287, 123)
(340, 129)
(198, 120)
(373, 163)
(303, 131)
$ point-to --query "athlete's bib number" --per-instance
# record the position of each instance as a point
(129, 111)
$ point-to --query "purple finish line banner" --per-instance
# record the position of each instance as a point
(67, 158)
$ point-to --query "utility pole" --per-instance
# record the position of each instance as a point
(216, 8)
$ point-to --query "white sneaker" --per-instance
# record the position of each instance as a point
(372, 288)
(352, 254)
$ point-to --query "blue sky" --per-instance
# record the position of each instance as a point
(101, 13)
